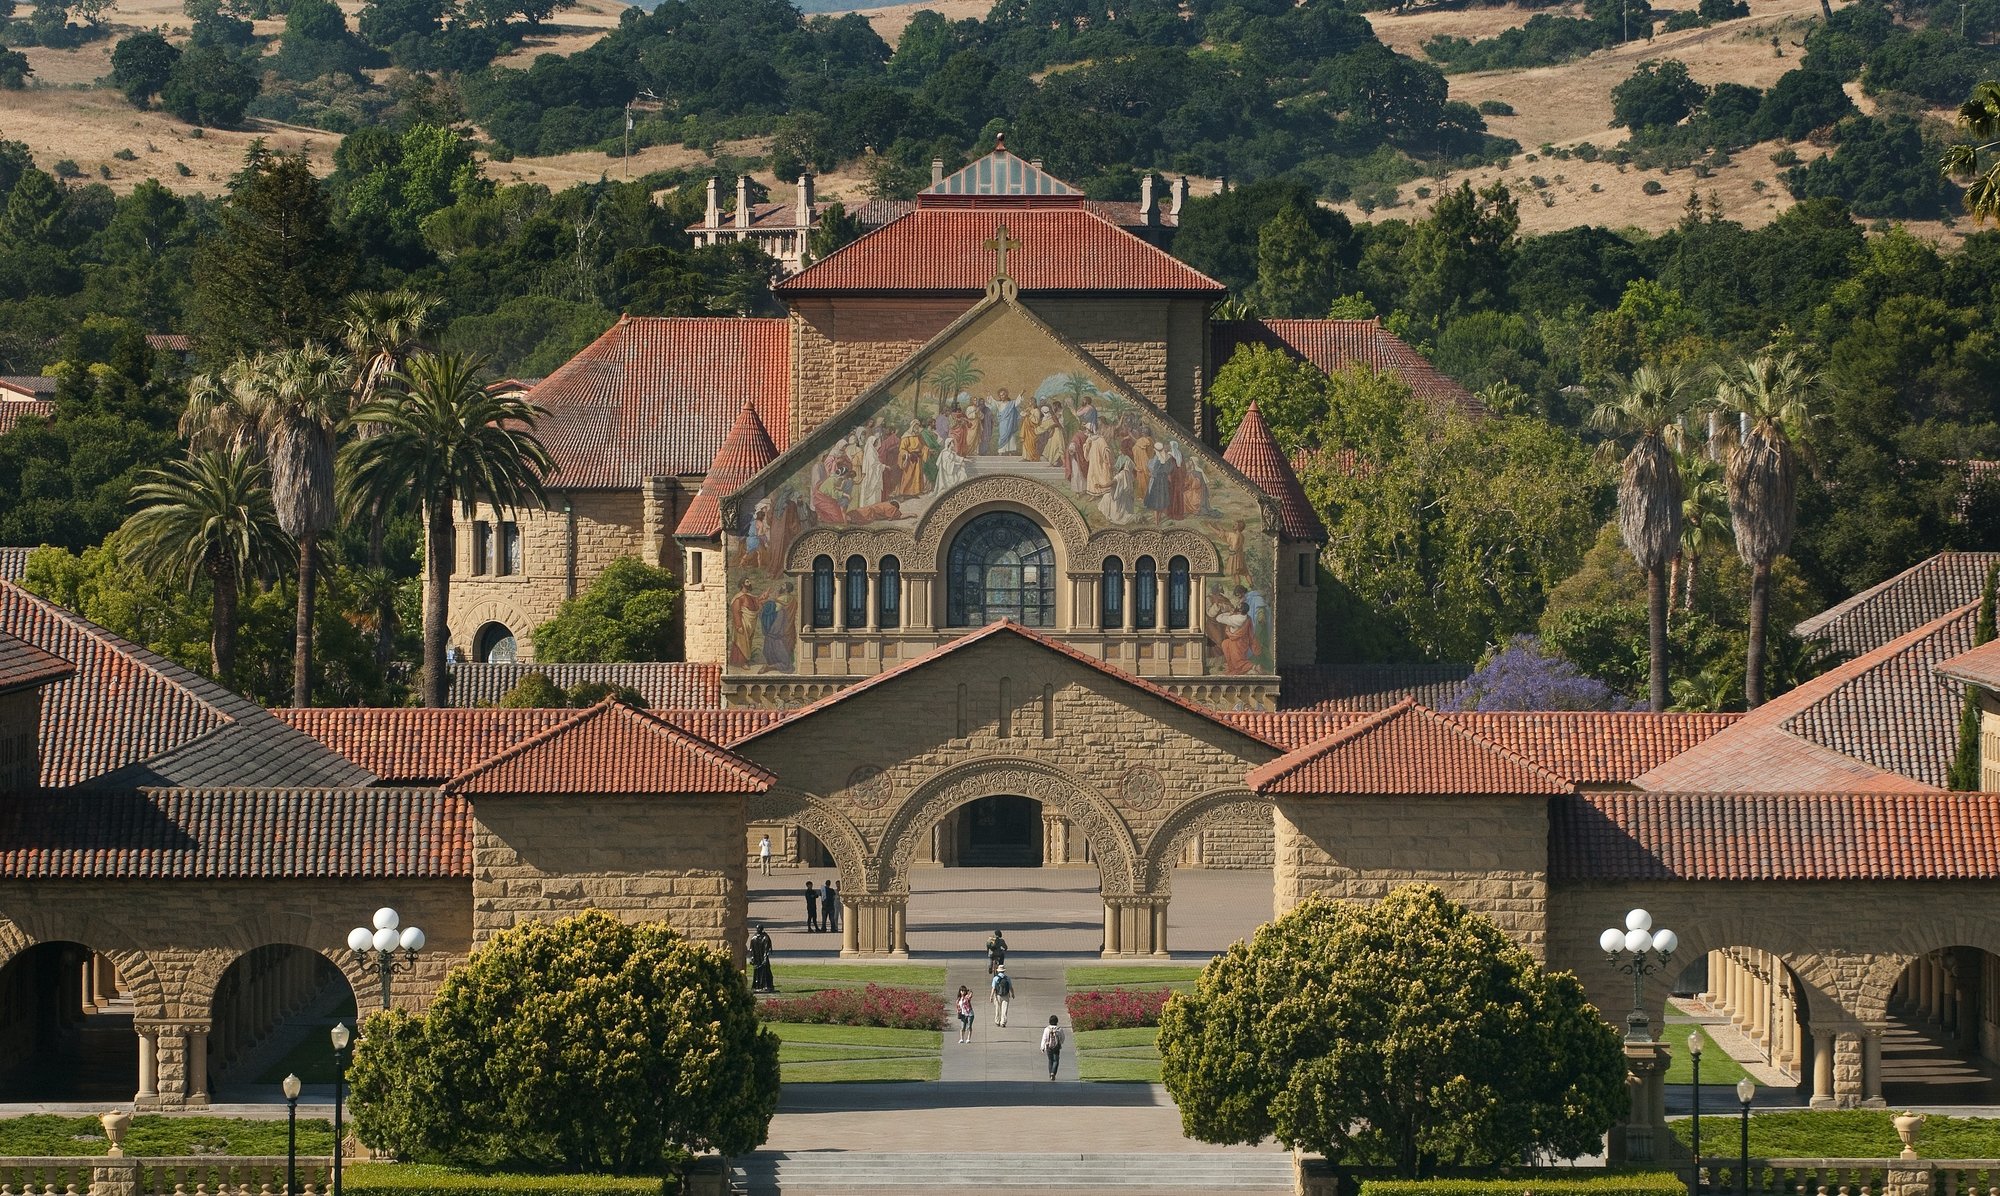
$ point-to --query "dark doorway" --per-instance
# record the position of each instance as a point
(65, 1027)
(998, 832)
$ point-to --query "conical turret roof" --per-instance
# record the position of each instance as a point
(1253, 452)
(744, 451)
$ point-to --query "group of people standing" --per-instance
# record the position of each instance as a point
(822, 907)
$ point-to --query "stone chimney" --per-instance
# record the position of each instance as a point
(937, 171)
(1148, 214)
(742, 201)
(805, 201)
(712, 218)
(1176, 196)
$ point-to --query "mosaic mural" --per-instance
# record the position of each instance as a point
(1002, 396)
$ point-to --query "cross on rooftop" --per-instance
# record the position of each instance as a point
(1002, 243)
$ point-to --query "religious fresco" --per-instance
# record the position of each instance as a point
(1002, 396)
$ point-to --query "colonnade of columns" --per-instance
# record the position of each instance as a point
(1755, 989)
(877, 924)
(1948, 989)
(259, 992)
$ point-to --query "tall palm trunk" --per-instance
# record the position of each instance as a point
(1760, 610)
(1656, 619)
(437, 599)
(222, 626)
(302, 626)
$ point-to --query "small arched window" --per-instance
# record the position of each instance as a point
(1145, 594)
(1177, 594)
(493, 645)
(889, 593)
(822, 606)
(1111, 595)
(857, 592)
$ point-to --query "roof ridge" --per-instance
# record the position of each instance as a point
(1279, 769)
(144, 657)
(1862, 666)
(1446, 720)
(1265, 777)
(612, 706)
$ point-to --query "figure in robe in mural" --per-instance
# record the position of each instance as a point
(1051, 431)
(744, 609)
(1031, 432)
(869, 491)
(1086, 414)
(1194, 492)
(1234, 564)
(1142, 463)
(1234, 635)
(1251, 602)
(757, 537)
(835, 491)
(913, 455)
(1116, 505)
(1006, 424)
(1160, 484)
(889, 451)
(1076, 461)
(952, 467)
(777, 620)
(1097, 464)
(964, 438)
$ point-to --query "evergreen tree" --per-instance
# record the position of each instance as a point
(141, 66)
(274, 275)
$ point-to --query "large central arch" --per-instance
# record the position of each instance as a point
(1111, 840)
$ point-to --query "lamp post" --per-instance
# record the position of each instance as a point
(340, 1038)
(393, 950)
(1745, 1089)
(292, 1087)
(1695, 1057)
(1648, 951)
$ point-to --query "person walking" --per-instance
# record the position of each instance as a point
(996, 952)
(829, 906)
(760, 963)
(764, 854)
(964, 1014)
(1052, 1040)
(1003, 992)
(812, 907)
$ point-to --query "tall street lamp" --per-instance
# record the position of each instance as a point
(1745, 1089)
(1695, 1057)
(292, 1088)
(393, 950)
(1638, 950)
(340, 1037)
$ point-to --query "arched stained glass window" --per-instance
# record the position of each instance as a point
(1001, 567)
(1177, 594)
(1145, 594)
(822, 606)
(1111, 595)
(857, 592)
(889, 594)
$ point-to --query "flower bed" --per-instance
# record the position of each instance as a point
(873, 1005)
(1117, 1008)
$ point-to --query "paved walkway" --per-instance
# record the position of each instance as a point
(1012, 1052)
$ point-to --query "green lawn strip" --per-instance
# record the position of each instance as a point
(807, 978)
(861, 1071)
(1109, 976)
(807, 1053)
(1840, 1134)
(49, 1134)
(413, 1179)
(1130, 1054)
(879, 1036)
(1143, 1071)
(823, 1054)
(1134, 1036)
(1717, 1067)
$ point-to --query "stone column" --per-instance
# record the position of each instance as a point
(850, 936)
(1871, 1067)
(1160, 602)
(1131, 584)
(1847, 1071)
(1822, 1068)
(149, 1069)
(840, 599)
(874, 608)
(1160, 927)
(197, 1049)
(1111, 936)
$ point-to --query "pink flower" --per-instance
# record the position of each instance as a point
(873, 1005)
(1116, 1008)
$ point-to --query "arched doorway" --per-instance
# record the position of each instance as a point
(65, 1027)
(494, 644)
(1211, 859)
(1001, 831)
(270, 1017)
(1942, 1042)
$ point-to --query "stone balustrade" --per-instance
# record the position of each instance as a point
(203, 1175)
(1724, 1175)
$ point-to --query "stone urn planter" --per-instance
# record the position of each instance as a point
(115, 1123)
(1907, 1125)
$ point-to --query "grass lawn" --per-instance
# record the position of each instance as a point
(366, 1179)
(49, 1134)
(1175, 976)
(1717, 1067)
(1842, 1134)
(808, 978)
(1130, 1054)
(810, 1054)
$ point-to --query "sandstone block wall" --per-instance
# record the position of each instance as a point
(704, 606)
(1491, 853)
(841, 347)
(1155, 345)
(1298, 605)
(1243, 841)
(643, 858)
(1989, 742)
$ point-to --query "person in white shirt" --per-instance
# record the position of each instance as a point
(1052, 1040)
(1003, 992)
(764, 854)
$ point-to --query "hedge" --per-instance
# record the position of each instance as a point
(413, 1179)
(1638, 1183)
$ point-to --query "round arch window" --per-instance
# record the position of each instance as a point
(493, 645)
(1001, 567)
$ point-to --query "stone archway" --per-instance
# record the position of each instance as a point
(826, 823)
(1188, 820)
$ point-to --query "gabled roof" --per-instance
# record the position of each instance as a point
(655, 397)
(1980, 667)
(1406, 749)
(24, 666)
(1333, 345)
(998, 174)
(1256, 455)
(663, 684)
(1774, 836)
(992, 631)
(128, 717)
(1918, 595)
(943, 249)
(235, 834)
(1883, 722)
(1370, 687)
(612, 749)
(744, 451)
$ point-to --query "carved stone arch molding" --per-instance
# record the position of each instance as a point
(1163, 545)
(826, 823)
(839, 543)
(277, 929)
(1915, 938)
(1188, 820)
(136, 971)
(1828, 996)
(1111, 840)
(1060, 515)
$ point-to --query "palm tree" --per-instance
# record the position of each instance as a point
(1647, 409)
(1771, 395)
(1704, 519)
(208, 516)
(1980, 117)
(303, 403)
(443, 439)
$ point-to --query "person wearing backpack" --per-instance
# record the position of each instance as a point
(1052, 1040)
(1003, 992)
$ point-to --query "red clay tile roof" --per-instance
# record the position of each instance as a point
(170, 342)
(744, 451)
(1774, 836)
(655, 397)
(236, 834)
(1290, 729)
(1333, 345)
(1369, 687)
(128, 717)
(1981, 666)
(990, 631)
(13, 411)
(662, 685)
(20, 387)
(943, 249)
(1918, 595)
(1125, 213)
(1853, 729)
(24, 666)
(1408, 750)
(612, 748)
(14, 563)
(1257, 457)
(1594, 747)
